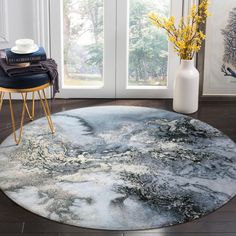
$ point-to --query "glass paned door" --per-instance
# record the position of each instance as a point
(146, 64)
(148, 47)
(108, 48)
(83, 42)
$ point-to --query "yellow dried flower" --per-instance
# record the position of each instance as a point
(187, 37)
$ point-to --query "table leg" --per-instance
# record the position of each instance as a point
(33, 105)
(46, 109)
(31, 116)
(1, 99)
(17, 140)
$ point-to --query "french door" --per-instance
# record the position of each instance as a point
(109, 49)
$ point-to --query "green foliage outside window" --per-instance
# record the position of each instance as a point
(148, 48)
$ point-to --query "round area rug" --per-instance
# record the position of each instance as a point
(119, 168)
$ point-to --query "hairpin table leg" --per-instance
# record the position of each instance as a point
(17, 140)
(46, 109)
(31, 116)
(1, 99)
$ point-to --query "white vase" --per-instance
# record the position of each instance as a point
(186, 88)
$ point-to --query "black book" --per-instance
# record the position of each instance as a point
(12, 57)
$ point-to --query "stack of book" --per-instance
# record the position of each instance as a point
(14, 58)
(25, 59)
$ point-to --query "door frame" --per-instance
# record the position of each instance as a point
(108, 89)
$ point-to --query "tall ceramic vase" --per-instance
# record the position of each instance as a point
(186, 88)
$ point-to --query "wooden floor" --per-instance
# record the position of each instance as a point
(16, 221)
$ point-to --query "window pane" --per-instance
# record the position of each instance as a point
(148, 47)
(83, 42)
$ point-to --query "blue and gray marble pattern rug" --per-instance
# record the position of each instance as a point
(120, 168)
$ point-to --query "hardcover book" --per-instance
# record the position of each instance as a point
(11, 57)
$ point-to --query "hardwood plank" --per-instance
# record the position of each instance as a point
(198, 227)
(177, 234)
(33, 234)
(21, 216)
(11, 227)
(104, 233)
(53, 227)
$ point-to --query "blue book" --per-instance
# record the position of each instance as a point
(39, 55)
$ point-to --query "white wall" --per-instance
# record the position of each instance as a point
(24, 19)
